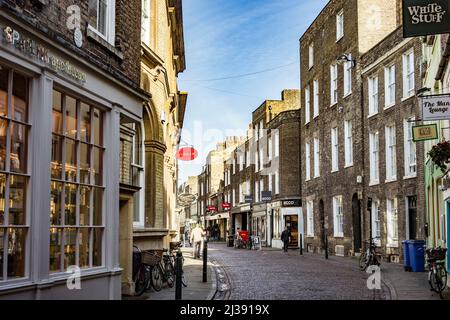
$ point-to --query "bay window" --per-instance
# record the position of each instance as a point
(77, 186)
(14, 174)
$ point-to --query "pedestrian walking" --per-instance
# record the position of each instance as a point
(286, 237)
(196, 239)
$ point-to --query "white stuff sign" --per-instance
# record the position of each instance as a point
(436, 107)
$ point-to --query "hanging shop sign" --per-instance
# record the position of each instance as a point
(187, 154)
(291, 203)
(436, 107)
(30, 47)
(211, 209)
(425, 17)
(248, 199)
(226, 206)
(425, 132)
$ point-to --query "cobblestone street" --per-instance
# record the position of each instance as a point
(274, 275)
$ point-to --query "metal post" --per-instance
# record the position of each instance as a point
(205, 261)
(301, 244)
(179, 271)
(326, 244)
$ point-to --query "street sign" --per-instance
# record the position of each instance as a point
(187, 154)
(248, 199)
(425, 132)
(436, 107)
(425, 17)
(211, 209)
(226, 206)
(266, 196)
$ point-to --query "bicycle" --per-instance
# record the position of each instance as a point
(369, 256)
(142, 270)
(437, 274)
(163, 271)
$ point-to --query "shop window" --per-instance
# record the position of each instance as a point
(76, 211)
(14, 130)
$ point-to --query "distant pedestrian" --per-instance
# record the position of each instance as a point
(196, 239)
(286, 237)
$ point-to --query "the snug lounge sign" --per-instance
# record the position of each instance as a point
(425, 17)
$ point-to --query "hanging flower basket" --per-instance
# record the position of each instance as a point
(440, 154)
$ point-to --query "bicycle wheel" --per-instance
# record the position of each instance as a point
(140, 284)
(183, 280)
(157, 278)
(363, 261)
(170, 274)
(440, 280)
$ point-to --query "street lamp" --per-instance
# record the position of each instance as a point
(346, 58)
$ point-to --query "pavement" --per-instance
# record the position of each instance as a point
(196, 289)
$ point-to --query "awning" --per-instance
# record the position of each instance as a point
(218, 216)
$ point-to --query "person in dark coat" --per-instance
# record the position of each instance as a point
(285, 237)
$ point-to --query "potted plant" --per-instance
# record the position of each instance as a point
(440, 154)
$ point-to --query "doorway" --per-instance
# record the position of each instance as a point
(356, 212)
(292, 223)
(412, 217)
(322, 223)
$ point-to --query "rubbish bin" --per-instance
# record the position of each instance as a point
(406, 259)
(417, 255)
(230, 241)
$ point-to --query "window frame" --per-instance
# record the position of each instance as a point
(408, 64)
(110, 22)
(391, 153)
(409, 147)
(338, 217)
(373, 95)
(348, 86)
(334, 149)
(348, 132)
(389, 86)
(316, 158)
(316, 106)
(340, 25)
(311, 56)
(310, 218)
(334, 93)
(308, 161)
(307, 104)
(374, 149)
(392, 223)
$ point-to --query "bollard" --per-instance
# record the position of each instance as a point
(179, 271)
(301, 244)
(205, 261)
(326, 246)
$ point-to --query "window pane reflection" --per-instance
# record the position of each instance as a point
(71, 117)
(85, 125)
(84, 247)
(3, 128)
(57, 150)
(18, 148)
(85, 160)
(85, 198)
(97, 249)
(16, 252)
(70, 245)
(56, 203)
(2, 198)
(97, 166)
(55, 249)
(20, 98)
(98, 127)
(98, 202)
(57, 113)
(4, 91)
(17, 200)
(71, 160)
(71, 204)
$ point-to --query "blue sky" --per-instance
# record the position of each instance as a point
(230, 38)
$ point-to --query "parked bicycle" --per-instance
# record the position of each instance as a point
(369, 256)
(143, 269)
(165, 269)
(437, 274)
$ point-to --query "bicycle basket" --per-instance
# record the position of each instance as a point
(436, 253)
(150, 259)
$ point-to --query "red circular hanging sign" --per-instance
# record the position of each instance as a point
(187, 154)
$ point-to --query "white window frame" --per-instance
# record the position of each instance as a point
(261, 187)
(334, 84)
(277, 182)
(389, 86)
(269, 148)
(316, 98)
(348, 66)
(348, 132)
(277, 144)
(391, 153)
(310, 218)
(257, 191)
(410, 150)
(373, 95)
(340, 25)
(338, 217)
(311, 55)
(374, 142)
(145, 22)
(376, 222)
(110, 23)
(308, 161)
(307, 105)
(334, 149)
(270, 182)
(316, 158)
(408, 74)
(392, 223)
(256, 161)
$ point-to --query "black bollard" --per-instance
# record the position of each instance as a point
(301, 244)
(205, 261)
(179, 271)
(326, 246)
